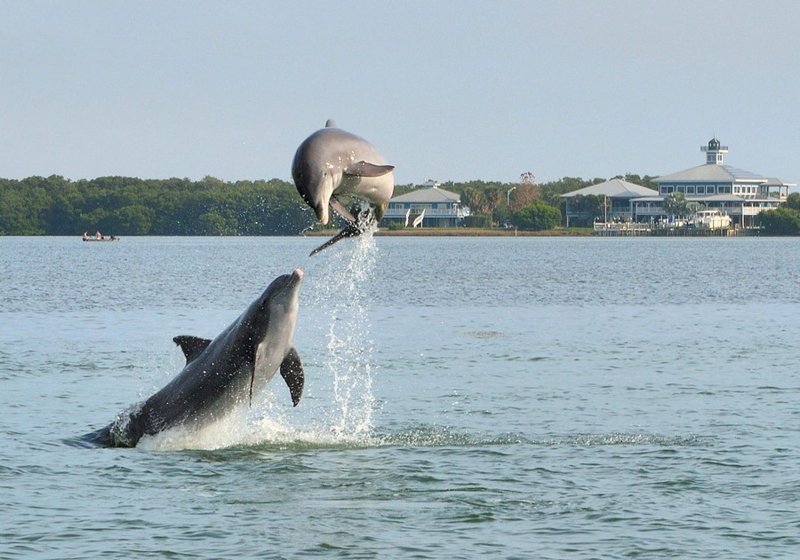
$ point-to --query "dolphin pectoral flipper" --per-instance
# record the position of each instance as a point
(292, 373)
(192, 346)
(339, 208)
(366, 169)
(380, 209)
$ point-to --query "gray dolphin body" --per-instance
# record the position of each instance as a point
(221, 373)
(332, 166)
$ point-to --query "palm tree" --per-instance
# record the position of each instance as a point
(676, 205)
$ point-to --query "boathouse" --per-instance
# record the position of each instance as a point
(716, 185)
(426, 207)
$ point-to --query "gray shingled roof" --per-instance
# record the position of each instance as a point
(775, 182)
(428, 195)
(711, 172)
(615, 188)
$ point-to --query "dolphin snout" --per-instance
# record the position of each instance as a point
(298, 273)
(321, 210)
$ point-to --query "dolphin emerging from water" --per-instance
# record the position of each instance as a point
(333, 165)
(221, 373)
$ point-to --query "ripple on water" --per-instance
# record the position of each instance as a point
(556, 410)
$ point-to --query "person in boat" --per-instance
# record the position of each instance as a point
(98, 235)
(85, 235)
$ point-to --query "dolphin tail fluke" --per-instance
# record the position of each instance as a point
(292, 373)
(355, 226)
(98, 438)
(350, 230)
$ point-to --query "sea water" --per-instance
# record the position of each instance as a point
(464, 398)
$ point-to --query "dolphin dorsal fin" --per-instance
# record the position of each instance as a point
(330, 123)
(192, 346)
(366, 169)
(292, 372)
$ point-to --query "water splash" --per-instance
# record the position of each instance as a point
(349, 361)
(345, 415)
(243, 427)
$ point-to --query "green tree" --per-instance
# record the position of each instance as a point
(780, 221)
(134, 219)
(793, 201)
(213, 223)
(676, 205)
(17, 217)
(591, 205)
(643, 180)
(476, 201)
(537, 216)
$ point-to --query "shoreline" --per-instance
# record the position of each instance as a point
(466, 232)
(469, 232)
(558, 232)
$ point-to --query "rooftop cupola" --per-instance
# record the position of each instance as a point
(714, 152)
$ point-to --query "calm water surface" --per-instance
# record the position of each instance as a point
(465, 398)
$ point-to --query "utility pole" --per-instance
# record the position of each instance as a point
(508, 196)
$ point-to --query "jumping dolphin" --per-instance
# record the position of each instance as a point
(221, 373)
(333, 165)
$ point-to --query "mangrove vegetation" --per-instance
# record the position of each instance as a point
(131, 206)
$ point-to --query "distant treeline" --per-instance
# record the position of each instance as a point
(131, 206)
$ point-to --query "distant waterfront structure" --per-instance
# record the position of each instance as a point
(716, 185)
(430, 206)
(616, 196)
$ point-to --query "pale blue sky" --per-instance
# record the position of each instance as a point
(450, 90)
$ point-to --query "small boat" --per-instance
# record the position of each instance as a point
(99, 237)
(711, 219)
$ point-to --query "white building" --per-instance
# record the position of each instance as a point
(426, 207)
(715, 185)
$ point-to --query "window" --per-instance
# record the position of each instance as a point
(690, 189)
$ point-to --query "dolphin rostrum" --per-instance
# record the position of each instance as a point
(221, 373)
(332, 166)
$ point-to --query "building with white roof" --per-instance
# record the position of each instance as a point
(616, 194)
(426, 207)
(715, 185)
